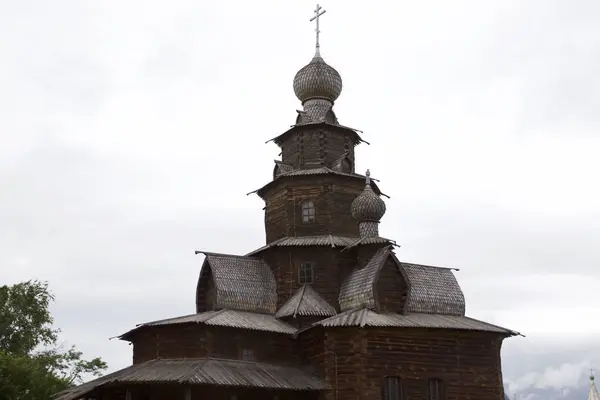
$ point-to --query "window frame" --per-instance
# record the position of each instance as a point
(302, 273)
(392, 388)
(245, 352)
(308, 212)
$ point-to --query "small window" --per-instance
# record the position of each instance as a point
(391, 388)
(436, 389)
(305, 273)
(308, 212)
(247, 355)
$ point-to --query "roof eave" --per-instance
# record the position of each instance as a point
(278, 139)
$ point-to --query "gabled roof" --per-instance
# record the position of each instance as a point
(433, 290)
(241, 282)
(322, 240)
(204, 371)
(358, 290)
(306, 302)
(224, 318)
(321, 170)
(364, 317)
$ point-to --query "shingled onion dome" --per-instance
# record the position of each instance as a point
(317, 85)
(368, 209)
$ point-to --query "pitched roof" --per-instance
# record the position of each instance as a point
(321, 240)
(241, 282)
(364, 317)
(433, 290)
(204, 371)
(225, 318)
(306, 302)
(283, 167)
(357, 139)
(320, 170)
(358, 290)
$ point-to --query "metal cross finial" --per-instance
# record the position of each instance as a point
(368, 175)
(318, 13)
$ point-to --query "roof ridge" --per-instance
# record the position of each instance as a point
(213, 254)
(427, 266)
(303, 289)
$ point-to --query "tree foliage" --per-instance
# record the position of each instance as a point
(33, 365)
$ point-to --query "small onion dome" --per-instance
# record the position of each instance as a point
(368, 206)
(317, 80)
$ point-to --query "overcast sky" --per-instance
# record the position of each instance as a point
(131, 132)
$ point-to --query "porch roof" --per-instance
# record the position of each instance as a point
(204, 371)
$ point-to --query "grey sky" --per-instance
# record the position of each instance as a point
(131, 132)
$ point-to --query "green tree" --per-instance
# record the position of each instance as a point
(33, 365)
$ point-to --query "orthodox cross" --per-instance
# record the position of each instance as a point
(318, 13)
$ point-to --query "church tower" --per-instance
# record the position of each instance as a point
(324, 310)
(319, 213)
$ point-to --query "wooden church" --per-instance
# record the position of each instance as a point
(325, 309)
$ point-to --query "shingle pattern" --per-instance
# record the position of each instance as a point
(283, 167)
(316, 171)
(226, 318)
(306, 301)
(242, 283)
(365, 317)
(367, 206)
(433, 290)
(356, 139)
(358, 290)
(204, 371)
(322, 240)
(317, 79)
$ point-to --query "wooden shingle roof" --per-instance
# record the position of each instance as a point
(306, 302)
(433, 290)
(241, 283)
(204, 371)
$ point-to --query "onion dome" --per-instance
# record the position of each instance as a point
(368, 206)
(317, 80)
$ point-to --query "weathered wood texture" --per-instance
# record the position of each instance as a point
(391, 288)
(178, 392)
(195, 341)
(331, 195)
(205, 293)
(330, 267)
(468, 363)
(317, 146)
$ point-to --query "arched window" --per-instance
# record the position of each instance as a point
(308, 212)
(305, 273)
(436, 389)
(391, 388)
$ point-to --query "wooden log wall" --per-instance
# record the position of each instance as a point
(331, 195)
(330, 267)
(195, 341)
(179, 392)
(468, 363)
(317, 145)
(392, 289)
